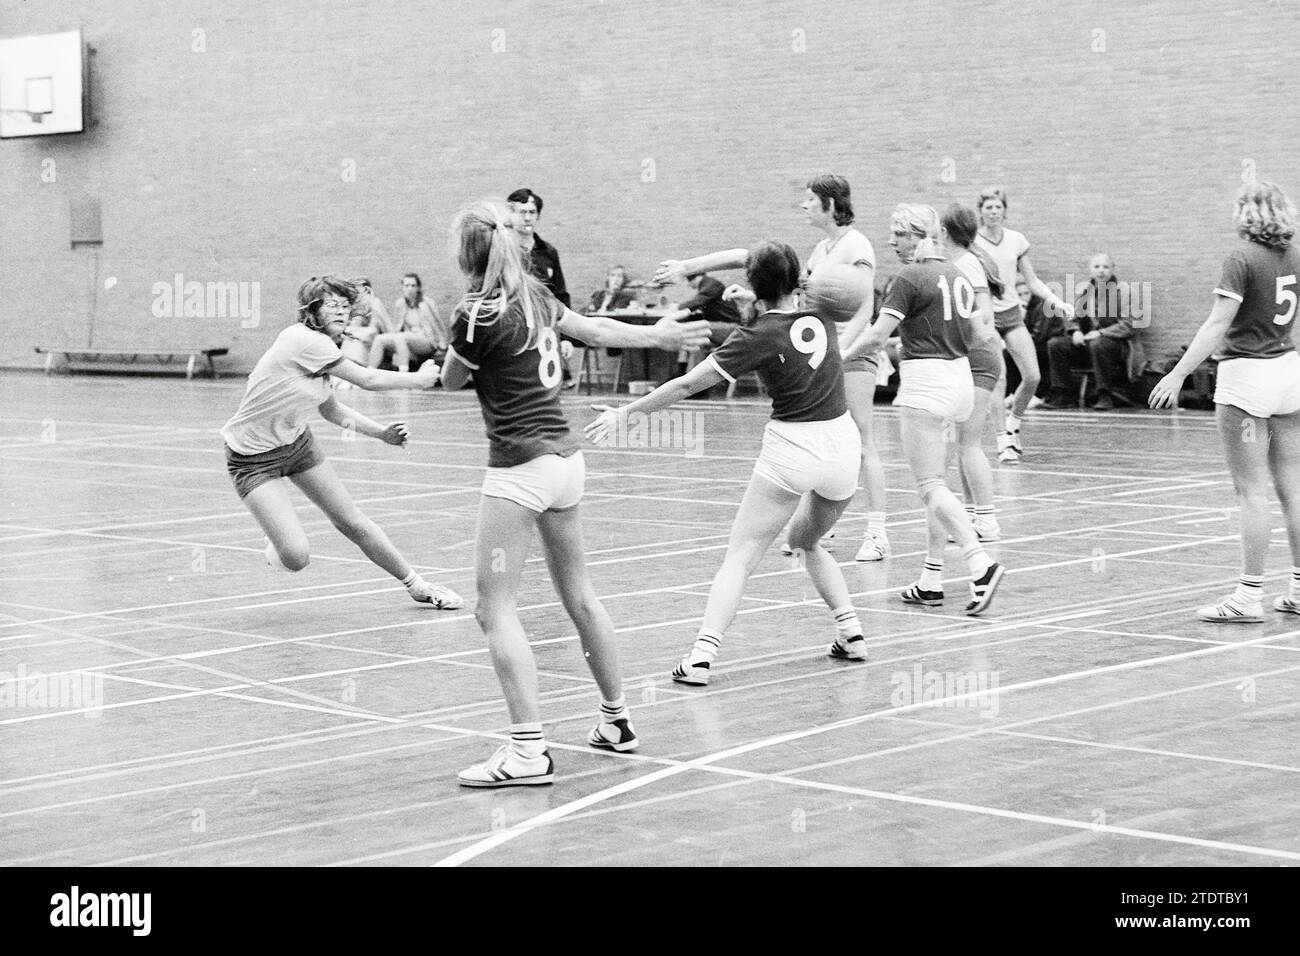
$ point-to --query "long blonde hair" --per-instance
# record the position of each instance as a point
(487, 253)
(1263, 214)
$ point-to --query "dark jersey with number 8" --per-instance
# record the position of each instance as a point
(797, 357)
(518, 388)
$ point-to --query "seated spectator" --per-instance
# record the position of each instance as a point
(616, 294)
(1099, 334)
(417, 331)
(707, 304)
(368, 319)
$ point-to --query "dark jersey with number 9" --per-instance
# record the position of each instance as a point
(797, 357)
(1263, 280)
(518, 388)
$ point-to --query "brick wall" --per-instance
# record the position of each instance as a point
(309, 137)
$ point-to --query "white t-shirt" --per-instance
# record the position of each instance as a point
(287, 384)
(849, 249)
(1006, 256)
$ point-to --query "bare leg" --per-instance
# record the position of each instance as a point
(1284, 460)
(562, 541)
(816, 516)
(324, 487)
(272, 507)
(1021, 346)
(505, 531)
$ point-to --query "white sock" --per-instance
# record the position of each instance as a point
(526, 739)
(931, 576)
(1013, 424)
(706, 647)
(1250, 590)
(876, 524)
(612, 710)
(977, 561)
(846, 622)
(412, 581)
(1293, 592)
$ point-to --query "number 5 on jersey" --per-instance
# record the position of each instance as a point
(1285, 297)
(814, 347)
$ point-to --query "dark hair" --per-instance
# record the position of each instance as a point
(525, 194)
(993, 192)
(962, 224)
(833, 189)
(311, 296)
(418, 285)
(772, 269)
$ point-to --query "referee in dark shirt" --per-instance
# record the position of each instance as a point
(540, 257)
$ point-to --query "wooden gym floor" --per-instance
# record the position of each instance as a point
(230, 714)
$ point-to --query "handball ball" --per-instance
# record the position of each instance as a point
(837, 291)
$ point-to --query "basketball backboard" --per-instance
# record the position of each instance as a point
(42, 85)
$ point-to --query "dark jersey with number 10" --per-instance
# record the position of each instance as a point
(797, 357)
(518, 388)
(932, 300)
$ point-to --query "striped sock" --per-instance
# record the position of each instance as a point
(977, 561)
(612, 710)
(986, 513)
(846, 622)
(526, 739)
(970, 512)
(1293, 592)
(876, 524)
(706, 646)
(412, 580)
(1250, 590)
(931, 576)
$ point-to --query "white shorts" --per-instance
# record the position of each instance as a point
(547, 483)
(1260, 387)
(942, 387)
(812, 456)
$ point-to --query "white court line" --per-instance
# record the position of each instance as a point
(563, 810)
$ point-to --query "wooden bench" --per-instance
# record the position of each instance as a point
(132, 359)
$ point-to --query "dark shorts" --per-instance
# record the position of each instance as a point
(986, 364)
(249, 471)
(1008, 319)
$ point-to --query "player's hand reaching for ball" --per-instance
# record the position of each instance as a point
(395, 434)
(1166, 392)
(428, 373)
(598, 430)
(669, 271)
(674, 336)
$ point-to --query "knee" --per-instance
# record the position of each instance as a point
(928, 486)
(802, 538)
(488, 614)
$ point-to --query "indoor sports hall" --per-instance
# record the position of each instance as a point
(171, 695)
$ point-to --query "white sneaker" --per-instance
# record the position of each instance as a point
(617, 736)
(505, 768)
(1286, 605)
(854, 649)
(1009, 451)
(1036, 402)
(1230, 612)
(874, 548)
(987, 529)
(696, 675)
(443, 598)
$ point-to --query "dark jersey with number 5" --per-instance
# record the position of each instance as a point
(1263, 280)
(797, 357)
(932, 301)
(518, 388)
